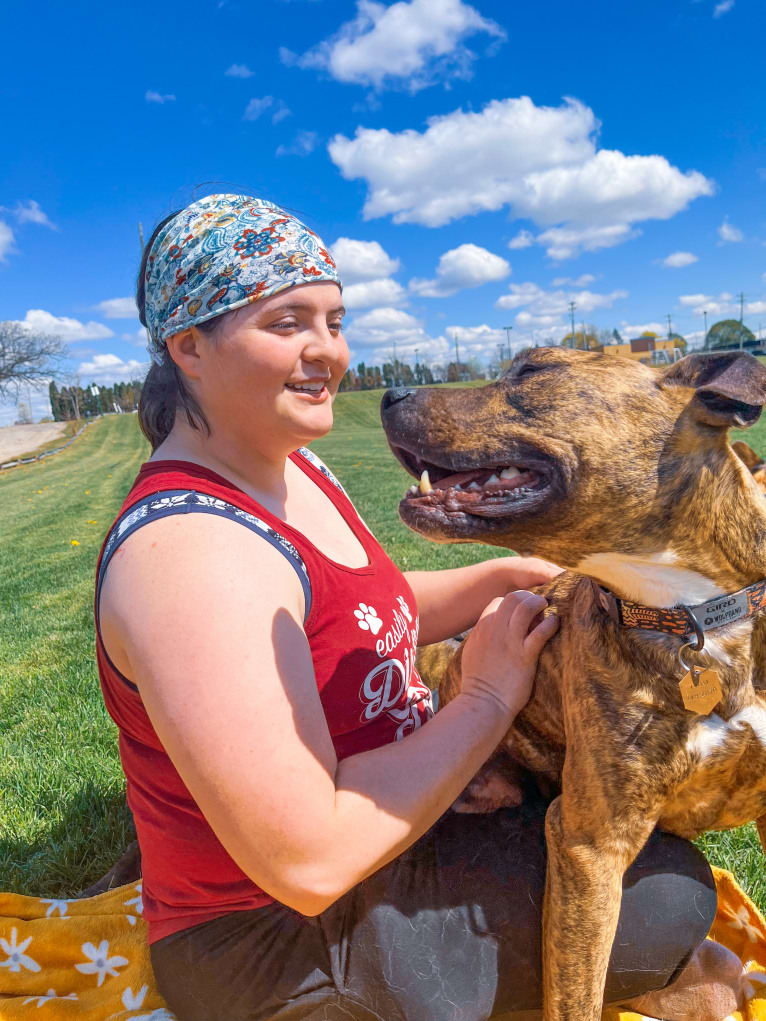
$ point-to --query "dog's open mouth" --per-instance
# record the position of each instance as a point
(490, 491)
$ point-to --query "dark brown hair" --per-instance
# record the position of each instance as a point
(164, 392)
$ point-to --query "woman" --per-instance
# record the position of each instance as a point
(256, 649)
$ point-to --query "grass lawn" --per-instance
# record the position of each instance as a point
(62, 815)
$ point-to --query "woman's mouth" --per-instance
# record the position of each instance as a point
(316, 390)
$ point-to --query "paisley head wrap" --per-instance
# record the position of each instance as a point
(221, 253)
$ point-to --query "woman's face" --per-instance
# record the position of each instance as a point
(271, 373)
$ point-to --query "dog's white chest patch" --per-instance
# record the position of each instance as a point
(710, 733)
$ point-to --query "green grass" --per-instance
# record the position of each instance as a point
(62, 816)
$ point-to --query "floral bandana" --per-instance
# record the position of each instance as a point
(221, 253)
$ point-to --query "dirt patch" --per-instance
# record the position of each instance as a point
(20, 439)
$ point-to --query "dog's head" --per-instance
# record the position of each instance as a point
(572, 452)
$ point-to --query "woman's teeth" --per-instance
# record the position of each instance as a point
(312, 388)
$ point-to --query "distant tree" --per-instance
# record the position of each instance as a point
(649, 333)
(678, 341)
(587, 341)
(730, 333)
(56, 409)
(26, 357)
(617, 336)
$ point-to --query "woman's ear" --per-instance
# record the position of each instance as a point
(183, 348)
(730, 387)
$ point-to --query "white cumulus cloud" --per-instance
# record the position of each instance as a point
(411, 42)
(118, 308)
(582, 281)
(362, 260)
(304, 143)
(462, 267)
(6, 240)
(722, 8)
(256, 107)
(676, 260)
(30, 212)
(239, 71)
(367, 293)
(541, 162)
(524, 239)
(728, 232)
(381, 330)
(542, 309)
(108, 368)
(64, 327)
(157, 97)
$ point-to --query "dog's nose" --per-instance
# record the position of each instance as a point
(394, 396)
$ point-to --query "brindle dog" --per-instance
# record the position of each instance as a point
(622, 474)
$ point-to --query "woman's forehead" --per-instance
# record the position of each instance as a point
(318, 297)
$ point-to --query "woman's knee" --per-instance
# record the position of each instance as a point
(668, 905)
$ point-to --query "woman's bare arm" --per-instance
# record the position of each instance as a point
(215, 644)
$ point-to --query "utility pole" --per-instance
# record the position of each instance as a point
(393, 367)
(584, 342)
(457, 359)
(572, 307)
(499, 358)
(508, 338)
(741, 307)
(417, 380)
(704, 339)
(670, 324)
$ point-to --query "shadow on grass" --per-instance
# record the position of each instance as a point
(85, 840)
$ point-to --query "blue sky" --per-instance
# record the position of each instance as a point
(473, 165)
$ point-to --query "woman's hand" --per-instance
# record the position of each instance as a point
(499, 658)
(526, 572)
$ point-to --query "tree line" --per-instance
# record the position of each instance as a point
(75, 401)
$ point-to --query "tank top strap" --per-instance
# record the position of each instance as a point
(189, 501)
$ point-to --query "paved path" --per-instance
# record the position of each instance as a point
(20, 439)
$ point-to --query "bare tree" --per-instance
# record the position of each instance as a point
(26, 357)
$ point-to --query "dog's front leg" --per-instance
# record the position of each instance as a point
(586, 864)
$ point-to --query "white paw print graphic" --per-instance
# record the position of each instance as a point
(367, 618)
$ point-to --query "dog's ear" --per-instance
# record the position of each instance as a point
(730, 386)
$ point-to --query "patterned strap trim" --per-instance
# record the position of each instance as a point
(180, 501)
(684, 620)
(320, 466)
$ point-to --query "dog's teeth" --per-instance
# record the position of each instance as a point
(425, 483)
(491, 479)
(509, 473)
(412, 490)
(458, 486)
(474, 485)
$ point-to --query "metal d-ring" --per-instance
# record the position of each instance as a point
(699, 634)
(692, 648)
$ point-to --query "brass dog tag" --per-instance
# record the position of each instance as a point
(701, 690)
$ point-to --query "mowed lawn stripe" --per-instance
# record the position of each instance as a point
(62, 815)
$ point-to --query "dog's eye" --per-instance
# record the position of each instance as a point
(526, 370)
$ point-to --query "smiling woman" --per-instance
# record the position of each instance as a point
(256, 648)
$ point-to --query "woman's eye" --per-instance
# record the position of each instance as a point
(336, 326)
(285, 324)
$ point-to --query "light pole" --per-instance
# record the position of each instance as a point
(416, 366)
(572, 307)
(508, 338)
(704, 339)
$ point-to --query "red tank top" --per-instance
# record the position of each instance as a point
(362, 630)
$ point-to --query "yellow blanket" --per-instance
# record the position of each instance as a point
(86, 960)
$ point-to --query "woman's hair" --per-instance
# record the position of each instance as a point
(164, 391)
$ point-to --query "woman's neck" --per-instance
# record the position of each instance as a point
(254, 471)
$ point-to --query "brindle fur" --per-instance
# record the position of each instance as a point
(753, 461)
(643, 467)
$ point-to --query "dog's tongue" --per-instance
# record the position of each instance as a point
(457, 479)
